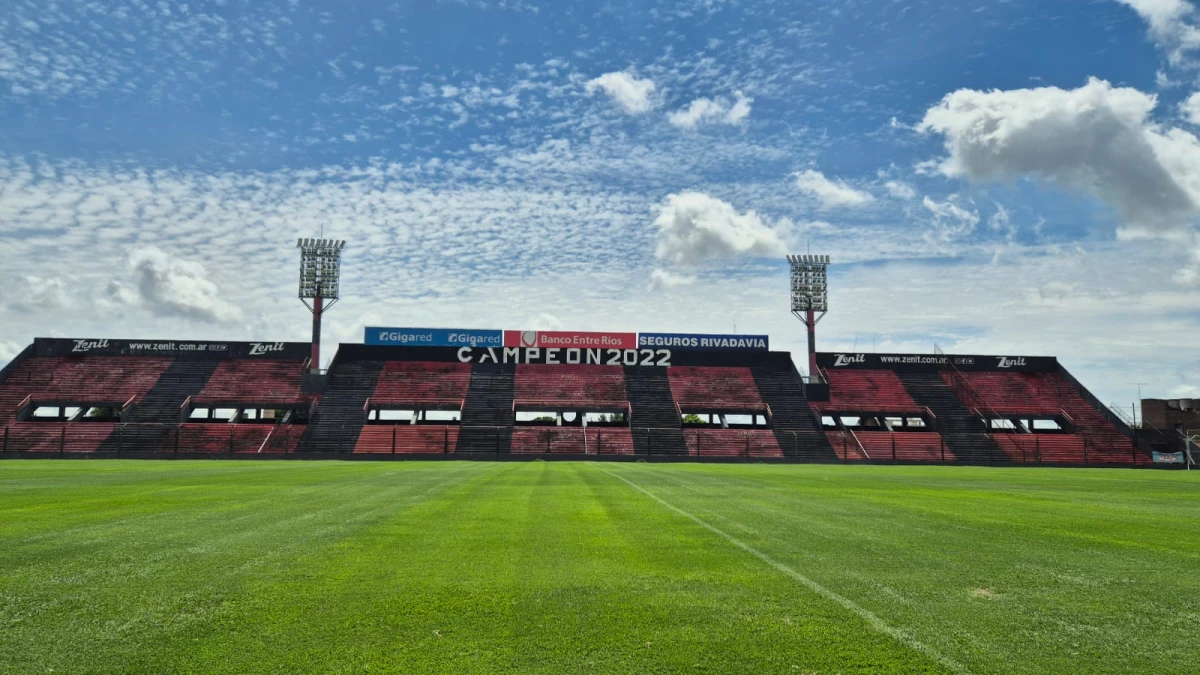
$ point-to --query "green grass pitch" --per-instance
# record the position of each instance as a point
(553, 567)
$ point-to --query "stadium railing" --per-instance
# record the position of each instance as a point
(282, 439)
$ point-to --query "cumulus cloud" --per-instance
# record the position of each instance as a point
(660, 279)
(627, 91)
(699, 110)
(169, 286)
(706, 111)
(1173, 25)
(831, 193)
(694, 227)
(900, 189)
(740, 109)
(1096, 139)
(1190, 108)
(31, 293)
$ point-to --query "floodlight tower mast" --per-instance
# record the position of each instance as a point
(320, 275)
(810, 299)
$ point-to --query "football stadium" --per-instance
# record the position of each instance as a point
(635, 337)
(718, 512)
(432, 393)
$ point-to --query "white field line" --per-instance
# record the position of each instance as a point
(874, 621)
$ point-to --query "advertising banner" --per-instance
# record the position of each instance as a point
(432, 337)
(547, 339)
(171, 348)
(1168, 457)
(703, 341)
(932, 362)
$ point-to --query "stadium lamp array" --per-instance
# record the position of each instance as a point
(320, 267)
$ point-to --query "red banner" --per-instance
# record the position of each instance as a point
(569, 339)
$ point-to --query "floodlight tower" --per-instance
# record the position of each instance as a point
(810, 298)
(320, 272)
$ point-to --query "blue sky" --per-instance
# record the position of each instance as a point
(1012, 177)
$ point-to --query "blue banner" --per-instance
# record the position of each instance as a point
(759, 343)
(433, 337)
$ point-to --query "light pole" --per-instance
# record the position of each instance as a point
(320, 273)
(810, 299)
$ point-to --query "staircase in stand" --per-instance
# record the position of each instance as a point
(655, 421)
(339, 418)
(954, 421)
(791, 417)
(147, 425)
(487, 417)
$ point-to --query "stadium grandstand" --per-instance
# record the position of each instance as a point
(492, 394)
(136, 398)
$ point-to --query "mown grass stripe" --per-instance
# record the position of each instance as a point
(873, 620)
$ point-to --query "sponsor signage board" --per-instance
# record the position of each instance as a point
(562, 339)
(703, 341)
(433, 337)
(1168, 457)
(455, 337)
(172, 348)
(927, 362)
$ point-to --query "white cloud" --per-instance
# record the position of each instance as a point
(660, 279)
(1096, 139)
(542, 321)
(1058, 291)
(1184, 391)
(699, 110)
(705, 111)
(831, 194)
(32, 293)
(170, 286)
(900, 189)
(949, 221)
(1190, 108)
(8, 351)
(740, 110)
(632, 94)
(1189, 273)
(1172, 25)
(1001, 221)
(694, 227)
